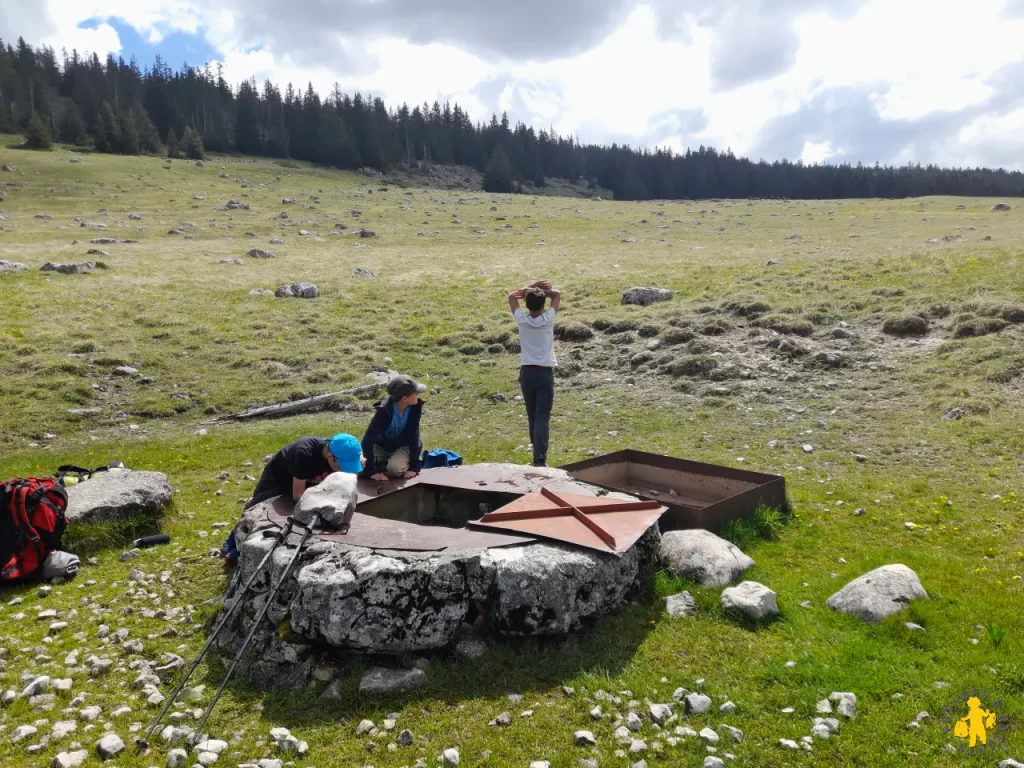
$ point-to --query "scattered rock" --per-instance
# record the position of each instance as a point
(12, 266)
(878, 593)
(680, 605)
(69, 759)
(752, 599)
(298, 291)
(69, 269)
(703, 557)
(999, 207)
(697, 703)
(109, 746)
(450, 758)
(646, 296)
(584, 739)
(259, 253)
(846, 703)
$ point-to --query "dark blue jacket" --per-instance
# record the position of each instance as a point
(410, 438)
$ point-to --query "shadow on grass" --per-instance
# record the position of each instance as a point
(85, 539)
(527, 666)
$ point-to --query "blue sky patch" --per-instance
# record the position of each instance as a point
(176, 48)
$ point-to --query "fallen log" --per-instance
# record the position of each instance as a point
(293, 406)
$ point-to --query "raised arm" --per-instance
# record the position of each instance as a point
(514, 299)
(556, 297)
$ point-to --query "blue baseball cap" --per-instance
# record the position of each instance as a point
(349, 453)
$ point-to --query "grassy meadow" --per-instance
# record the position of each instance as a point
(747, 371)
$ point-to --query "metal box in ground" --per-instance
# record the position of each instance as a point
(697, 495)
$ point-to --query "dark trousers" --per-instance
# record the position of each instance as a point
(538, 387)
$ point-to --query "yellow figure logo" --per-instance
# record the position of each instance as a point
(976, 724)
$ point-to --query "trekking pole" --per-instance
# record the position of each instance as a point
(141, 745)
(197, 736)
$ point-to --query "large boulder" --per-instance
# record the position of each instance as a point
(332, 499)
(117, 494)
(878, 593)
(752, 599)
(645, 296)
(701, 556)
(341, 596)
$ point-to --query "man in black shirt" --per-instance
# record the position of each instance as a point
(305, 463)
(298, 466)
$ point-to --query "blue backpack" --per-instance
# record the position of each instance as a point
(439, 457)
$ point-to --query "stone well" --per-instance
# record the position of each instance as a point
(379, 600)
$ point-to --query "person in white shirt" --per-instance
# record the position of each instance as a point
(537, 360)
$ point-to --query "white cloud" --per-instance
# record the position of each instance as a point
(856, 80)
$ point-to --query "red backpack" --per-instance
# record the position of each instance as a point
(32, 523)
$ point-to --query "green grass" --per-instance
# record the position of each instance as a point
(168, 307)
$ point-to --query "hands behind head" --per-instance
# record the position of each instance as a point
(518, 293)
(544, 285)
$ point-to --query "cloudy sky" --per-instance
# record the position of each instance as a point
(930, 81)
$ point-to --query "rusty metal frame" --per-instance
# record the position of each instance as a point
(741, 490)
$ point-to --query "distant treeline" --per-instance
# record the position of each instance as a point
(118, 107)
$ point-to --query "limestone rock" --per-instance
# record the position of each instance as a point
(703, 557)
(697, 703)
(298, 291)
(116, 495)
(259, 253)
(380, 681)
(109, 746)
(450, 758)
(752, 599)
(12, 266)
(878, 593)
(584, 739)
(645, 296)
(69, 269)
(332, 499)
(680, 605)
(69, 759)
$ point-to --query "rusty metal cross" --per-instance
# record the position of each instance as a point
(579, 512)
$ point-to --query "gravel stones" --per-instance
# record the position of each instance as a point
(109, 746)
(645, 296)
(380, 681)
(703, 557)
(752, 599)
(117, 494)
(680, 605)
(298, 291)
(69, 759)
(660, 713)
(696, 703)
(333, 500)
(846, 703)
(584, 739)
(878, 593)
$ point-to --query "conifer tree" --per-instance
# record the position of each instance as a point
(498, 175)
(192, 144)
(172, 144)
(71, 128)
(38, 134)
